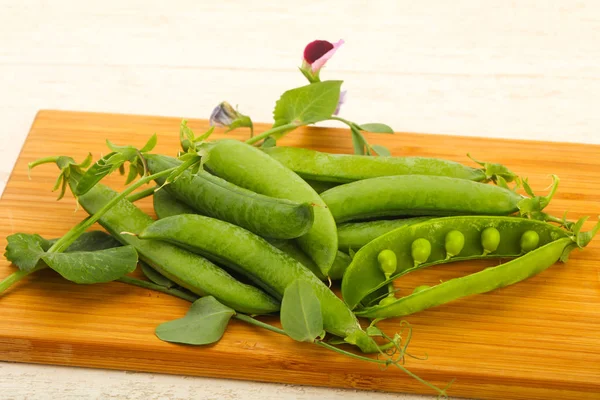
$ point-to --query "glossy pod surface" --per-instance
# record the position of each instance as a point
(189, 270)
(405, 195)
(253, 256)
(344, 168)
(354, 235)
(210, 195)
(364, 275)
(249, 167)
(489, 279)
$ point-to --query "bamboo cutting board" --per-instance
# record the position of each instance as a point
(537, 339)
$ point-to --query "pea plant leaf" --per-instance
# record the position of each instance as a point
(101, 168)
(381, 150)
(93, 266)
(376, 128)
(155, 277)
(269, 142)
(25, 250)
(307, 104)
(204, 323)
(300, 313)
(93, 241)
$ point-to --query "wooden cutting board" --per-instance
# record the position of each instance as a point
(537, 339)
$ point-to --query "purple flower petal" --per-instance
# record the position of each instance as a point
(341, 101)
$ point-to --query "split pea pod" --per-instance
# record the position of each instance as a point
(251, 168)
(187, 269)
(354, 235)
(344, 168)
(406, 195)
(489, 279)
(210, 195)
(264, 264)
(457, 237)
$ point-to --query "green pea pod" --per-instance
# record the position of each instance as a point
(406, 195)
(489, 279)
(354, 235)
(165, 205)
(343, 168)
(341, 262)
(210, 195)
(249, 167)
(364, 281)
(188, 270)
(264, 264)
(320, 186)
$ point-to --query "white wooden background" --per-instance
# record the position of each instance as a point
(516, 69)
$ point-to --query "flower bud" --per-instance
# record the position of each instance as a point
(226, 116)
(316, 54)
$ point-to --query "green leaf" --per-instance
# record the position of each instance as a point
(150, 144)
(25, 250)
(94, 174)
(269, 142)
(133, 173)
(154, 276)
(307, 104)
(301, 315)
(204, 323)
(376, 128)
(93, 241)
(381, 150)
(93, 266)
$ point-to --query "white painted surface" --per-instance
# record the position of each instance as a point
(527, 69)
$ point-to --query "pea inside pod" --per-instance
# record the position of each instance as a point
(490, 240)
(454, 243)
(364, 281)
(529, 241)
(354, 235)
(420, 250)
(489, 279)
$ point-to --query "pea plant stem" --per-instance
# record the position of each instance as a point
(81, 227)
(252, 321)
(16, 277)
(153, 286)
(133, 197)
(272, 131)
(355, 131)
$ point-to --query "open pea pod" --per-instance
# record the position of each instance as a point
(442, 240)
(528, 265)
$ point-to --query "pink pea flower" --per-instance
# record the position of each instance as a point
(316, 54)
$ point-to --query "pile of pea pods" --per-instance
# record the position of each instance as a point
(277, 215)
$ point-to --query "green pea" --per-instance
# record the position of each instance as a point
(455, 241)
(529, 241)
(387, 300)
(420, 251)
(387, 262)
(490, 240)
(420, 288)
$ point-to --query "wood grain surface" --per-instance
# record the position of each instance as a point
(537, 339)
